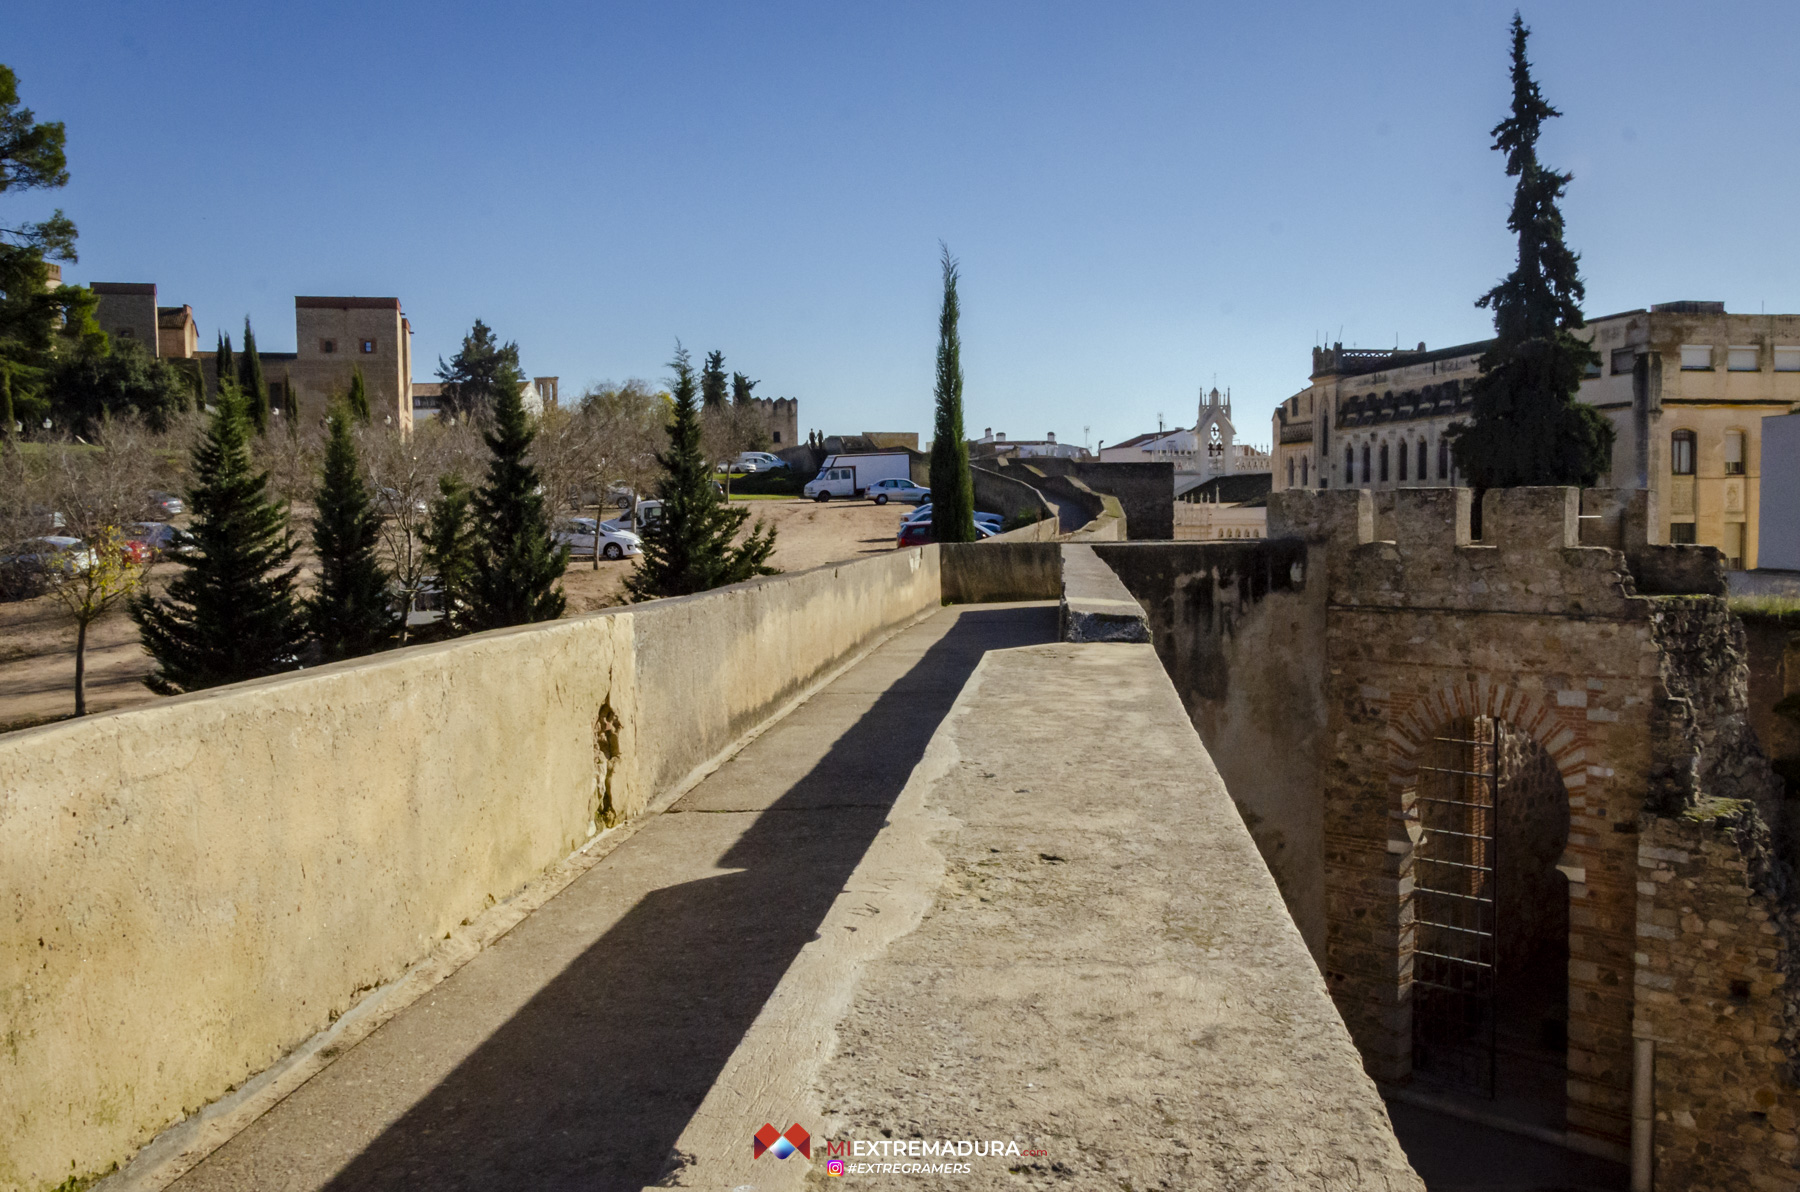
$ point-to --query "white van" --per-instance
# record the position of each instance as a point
(851, 475)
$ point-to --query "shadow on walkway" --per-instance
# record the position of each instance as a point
(592, 1082)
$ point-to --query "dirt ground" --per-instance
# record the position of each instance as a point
(37, 642)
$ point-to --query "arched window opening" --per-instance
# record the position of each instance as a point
(1421, 459)
(1403, 454)
(1681, 453)
(1290, 471)
(1384, 463)
(1349, 465)
(1304, 482)
(1365, 478)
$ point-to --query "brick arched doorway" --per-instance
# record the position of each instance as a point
(1488, 821)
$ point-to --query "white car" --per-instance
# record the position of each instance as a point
(582, 534)
(923, 513)
(896, 489)
(758, 461)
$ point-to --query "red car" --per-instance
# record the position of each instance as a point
(915, 533)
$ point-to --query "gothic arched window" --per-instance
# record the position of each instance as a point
(1290, 471)
(1384, 462)
(1365, 478)
(1349, 464)
(1303, 480)
(1421, 458)
(1403, 455)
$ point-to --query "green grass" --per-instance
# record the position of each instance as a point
(737, 496)
(1768, 608)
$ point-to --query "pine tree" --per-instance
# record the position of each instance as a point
(712, 382)
(742, 389)
(475, 378)
(358, 401)
(450, 551)
(952, 488)
(231, 614)
(251, 383)
(690, 549)
(223, 369)
(350, 612)
(1528, 428)
(516, 562)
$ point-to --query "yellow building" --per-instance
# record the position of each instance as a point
(1685, 384)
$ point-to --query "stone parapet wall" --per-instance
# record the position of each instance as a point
(1715, 997)
(196, 886)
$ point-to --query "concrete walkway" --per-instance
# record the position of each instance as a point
(573, 1052)
(983, 889)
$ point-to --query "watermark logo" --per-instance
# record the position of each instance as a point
(834, 1167)
(781, 1143)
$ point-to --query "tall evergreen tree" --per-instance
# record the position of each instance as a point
(484, 368)
(251, 383)
(350, 612)
(358, 400)
(691, 548)
(223, 369)
(450, 550)
(516, 562)
(1528, 429)
(952, 488)
(9, 428)
(231, 613)
(712, 382)
(742, 389)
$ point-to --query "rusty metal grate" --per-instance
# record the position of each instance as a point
(1455, 899)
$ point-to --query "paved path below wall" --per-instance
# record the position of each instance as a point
(982, 886)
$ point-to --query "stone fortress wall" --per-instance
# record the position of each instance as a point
(1319, 667)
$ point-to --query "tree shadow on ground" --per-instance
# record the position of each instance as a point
(591, 1083)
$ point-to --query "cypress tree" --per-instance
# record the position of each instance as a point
(1528, 428)
(358, 401)
(516, 563)
(952, 488)
(223, 369)
(712, 382)
(690, 549)
(350, 613)
(450, 550)
(231, 613)
(8, 424)
(251, 383)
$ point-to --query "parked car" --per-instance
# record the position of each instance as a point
(167, 504)
(923, 512)
(918, 533)
(56, 552)
(580, 534)
(392, 501)
(758, 461)
(156, 539)
(896, 488)
(852, 475)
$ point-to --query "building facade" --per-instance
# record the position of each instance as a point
(1202, 454)
(1685, 384)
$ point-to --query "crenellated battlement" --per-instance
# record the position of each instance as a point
(1552, 549)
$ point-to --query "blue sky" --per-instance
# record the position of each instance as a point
(1144, 197)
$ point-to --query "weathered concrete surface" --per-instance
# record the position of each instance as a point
(1095, 606)
(574, 1051)
(1104, 970)
(982, 572)
(1240, 631)
(234, 869)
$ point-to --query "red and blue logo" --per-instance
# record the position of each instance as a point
(781, 1143)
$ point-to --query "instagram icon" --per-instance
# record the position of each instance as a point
(834, 1167)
